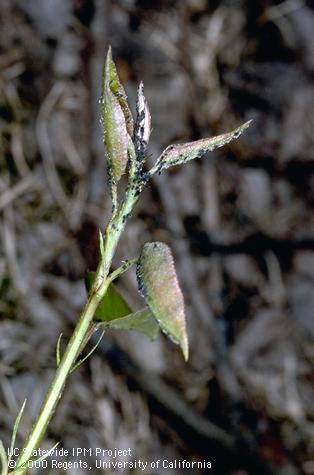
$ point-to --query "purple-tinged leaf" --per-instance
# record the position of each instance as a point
(158, 284)
(118, 90)
(115, 136)
(115, 133)
(177, 154)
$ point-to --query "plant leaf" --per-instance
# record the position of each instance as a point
(181, 153)
(158, 284)
(58, 350)
(112, 306)
(81, 361)
(118, 90)
(115, 136)
(115, 133)
(114, 312)
(15, 428)
(142, 321)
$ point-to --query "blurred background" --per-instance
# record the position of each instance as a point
(239, 222)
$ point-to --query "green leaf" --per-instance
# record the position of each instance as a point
(15, 428)
(112, 305)
(114, 312)
(118, 90)
(142, 321)
(115, 136)
(81, 361)
(115, 132)
(177, 154)
(158, 284)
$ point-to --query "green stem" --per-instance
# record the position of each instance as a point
(125, 266)
(55, 390)
(113, 233)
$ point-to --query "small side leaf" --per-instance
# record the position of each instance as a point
(177, 154)
(112, 305)
(15, 429)
(114, 312)
(142, 321)
(58, 350)
(158, 284)
(81, 361)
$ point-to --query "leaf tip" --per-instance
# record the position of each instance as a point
(236, 133)
(109, 54)
(184, 345)
(246, 125)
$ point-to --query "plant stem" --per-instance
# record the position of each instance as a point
(112, 235)
(56, 388)
(116, 273)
